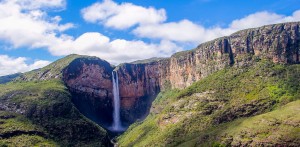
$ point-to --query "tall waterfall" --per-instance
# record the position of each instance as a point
(116, 114)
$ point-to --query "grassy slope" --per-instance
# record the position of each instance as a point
(47, 105)
(8, 78)
(32, 135)
(219, 110)
(52, 71)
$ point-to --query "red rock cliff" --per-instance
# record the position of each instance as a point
(89, 81)
(141, 82)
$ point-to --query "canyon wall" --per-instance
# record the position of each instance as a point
(279, 43)
(90, 83)
(140, 82)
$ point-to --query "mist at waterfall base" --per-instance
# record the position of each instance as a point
(117, 125)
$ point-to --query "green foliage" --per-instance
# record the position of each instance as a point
(51, 71)
(150, 60)
(27, 140)
(225, 100)
(8, 78)
(12, 124)
(276, 127)
(32, 92)
(49, 111)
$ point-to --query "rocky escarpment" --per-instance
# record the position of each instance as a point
(139, 84)
(279, 43)
(89, 78)
(90, 83)
(141, 81)
(47, 113)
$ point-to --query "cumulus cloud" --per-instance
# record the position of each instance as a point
(36, 4)
(122, 16)
(10, 65)
(262, 18)
(114, 51)
(187, 31)
(33, 28)
(27, 24)
(182, 31)
(28, 28)
(149, 20)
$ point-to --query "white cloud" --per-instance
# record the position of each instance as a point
(115, 51)
(9, 65)
(187, 31)
(38, 30)
(263, 18)
(28, 28)
(37, 4)
(122, 16)
(29, 25)
(150, 20)
(182, 31)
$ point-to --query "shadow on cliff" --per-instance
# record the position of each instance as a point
(89, 81)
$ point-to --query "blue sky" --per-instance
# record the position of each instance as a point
(34, 33)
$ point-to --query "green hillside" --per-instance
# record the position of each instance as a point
(8, 78)
(52, 71)
(39, 112)
(256, 105)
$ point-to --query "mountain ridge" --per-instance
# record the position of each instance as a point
(88, 83)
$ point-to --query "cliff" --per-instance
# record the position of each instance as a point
(90, 83)
(41, 113)
(89, 78)
(140, 82)
(279, 43)
(255, 105)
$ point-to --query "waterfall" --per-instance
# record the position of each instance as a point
(116, 114)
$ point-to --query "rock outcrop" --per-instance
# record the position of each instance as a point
(140, 82)
(89, 78)
(279, 43)
(90, 83)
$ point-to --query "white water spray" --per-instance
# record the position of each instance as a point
(116, 115)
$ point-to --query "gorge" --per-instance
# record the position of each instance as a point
(141, 81)
(116, 97)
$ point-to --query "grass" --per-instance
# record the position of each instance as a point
(276, 127)
(229, 100)
(27, 140)
(48, 109)
(52, 71)
(12, 123)
(8, 78)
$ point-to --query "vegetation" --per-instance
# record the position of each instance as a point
(17, 130)
(150, 60)
(8, 78)
(49, 113)
(52, 71)
(233, 107)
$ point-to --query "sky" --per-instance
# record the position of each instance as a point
(34, 33)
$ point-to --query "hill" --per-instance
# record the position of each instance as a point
(40, 112)
(255, 105)
(238, 90)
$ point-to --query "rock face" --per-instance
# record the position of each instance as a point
(279, 43)
(90, 80)
(139, 84)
